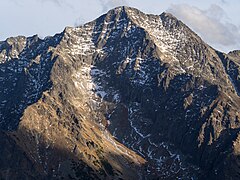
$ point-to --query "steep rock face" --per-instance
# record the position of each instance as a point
(159, 66)
(64, 122)
(169, 96)
(24, 70)
(231, 64)
(58, 132)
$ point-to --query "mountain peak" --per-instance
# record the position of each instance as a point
(162, 89)
(122, 8)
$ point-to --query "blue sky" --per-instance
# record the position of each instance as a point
(216, 21)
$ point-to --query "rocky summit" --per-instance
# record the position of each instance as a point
(126, 96)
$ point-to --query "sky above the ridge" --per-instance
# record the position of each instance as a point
(216, 21)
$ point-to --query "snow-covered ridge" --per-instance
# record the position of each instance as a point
(167, 41)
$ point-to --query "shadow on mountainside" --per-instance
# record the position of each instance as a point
(182, 128)
(20, 160)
